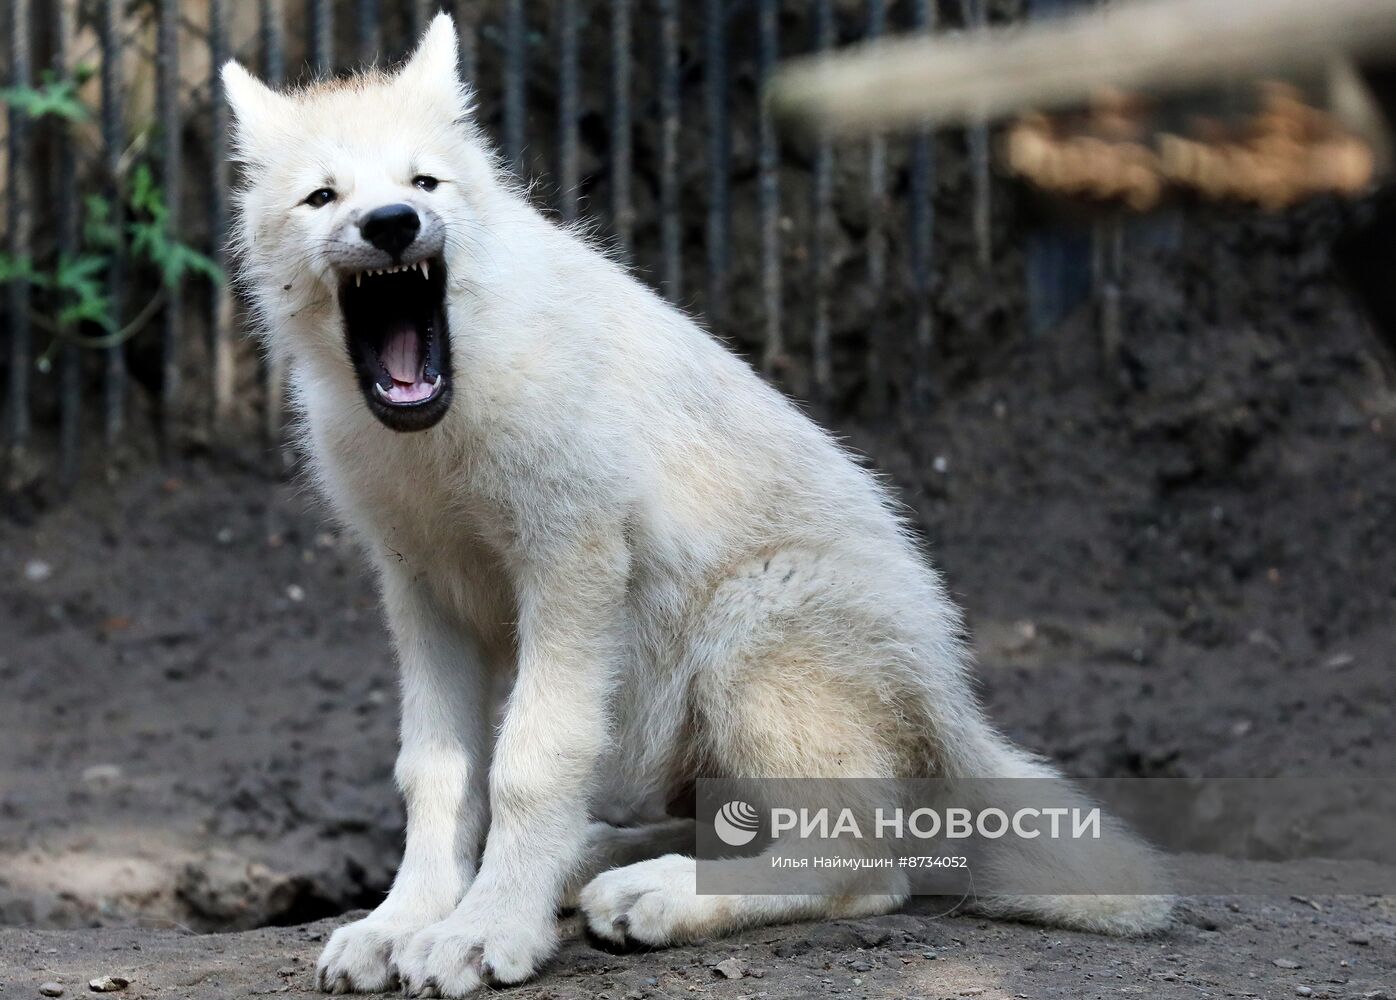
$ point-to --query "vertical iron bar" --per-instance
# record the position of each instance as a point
(113, 140)
(221, 318)
(515, 67)
(1058, 274)
(167, 110)
(1110, 243)
(567, 104)
(1059, 271)
(469, 48)
(420, 13)
(820, 269)
(922, 239)
(622, 212)
(976, 18)
(1109, 238)
(370, 30)
(669, 96)
(321, 17)
(877, 243)
(65, 173)
(273, 32)
(20, 183)
(718, 144)
(768, 191)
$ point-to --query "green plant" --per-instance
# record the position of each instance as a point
(53, 97)
(73, 286)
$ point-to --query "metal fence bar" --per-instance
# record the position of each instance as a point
(768, 192)
(1057, 281)
(622, 209)
(113, 141)
(820, 265)
(66, 176)
(1059, 267)
(19, 223)
(976, 17)
(221, 297)
(273, 32)
(515, 66)
(467, 31)
(1109, 275)
(167, 111)
(922, 185)
(569, 179)
(715, 92)
(420, 13)
(670, 221)
(1108, 271)
(370, 30)
(876, 247)
(320, 18)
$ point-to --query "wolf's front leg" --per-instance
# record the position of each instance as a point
(441, 771)
(571, 631)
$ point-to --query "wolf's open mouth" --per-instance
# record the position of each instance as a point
(395, 327)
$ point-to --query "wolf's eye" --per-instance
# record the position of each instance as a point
(320, 198)
(425, 181)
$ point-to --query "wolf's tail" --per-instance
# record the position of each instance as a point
(1111, 883)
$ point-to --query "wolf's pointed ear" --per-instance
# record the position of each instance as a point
(433, 71)
(257, 109)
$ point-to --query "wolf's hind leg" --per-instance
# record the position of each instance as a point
(610, 847)
(657, 903)
(780, 693)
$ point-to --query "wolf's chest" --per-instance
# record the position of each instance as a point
(430, 518)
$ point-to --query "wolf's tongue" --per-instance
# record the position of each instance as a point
(402, 355)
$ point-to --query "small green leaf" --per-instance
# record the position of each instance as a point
(17, 269)
(53, 96)
(99, 232)
(96, 310)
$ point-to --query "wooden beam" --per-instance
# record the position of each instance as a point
(1153, 46)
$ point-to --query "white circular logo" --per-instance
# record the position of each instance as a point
(736, 823)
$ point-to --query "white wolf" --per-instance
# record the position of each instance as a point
(668, 569)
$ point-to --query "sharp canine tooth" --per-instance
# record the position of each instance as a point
(358, 277)
(426, 269)
(378, 390)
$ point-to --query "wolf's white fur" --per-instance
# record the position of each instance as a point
(669, 569)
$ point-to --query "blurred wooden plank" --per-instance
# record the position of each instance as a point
(1156, 46)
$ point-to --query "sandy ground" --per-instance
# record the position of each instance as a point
(1223, 948)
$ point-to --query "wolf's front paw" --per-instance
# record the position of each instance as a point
(361, 957)
(653, 902)
(474, 947)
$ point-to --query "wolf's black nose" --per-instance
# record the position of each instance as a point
(391, 228)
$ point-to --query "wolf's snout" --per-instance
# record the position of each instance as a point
(391, 228)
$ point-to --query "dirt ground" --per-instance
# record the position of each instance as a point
(1175, 557)
(1222, 948)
